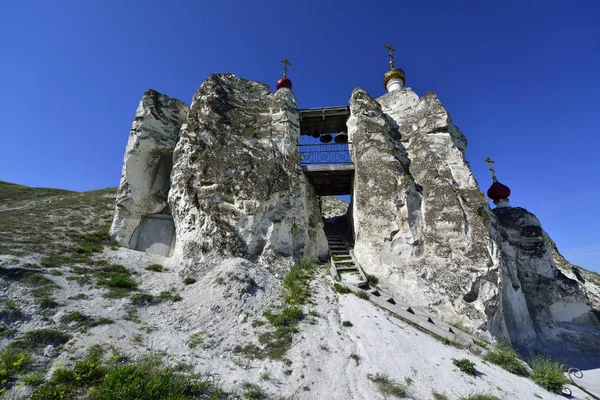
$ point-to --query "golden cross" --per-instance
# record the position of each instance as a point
(390, 55)
(490, 162)
(285, 66)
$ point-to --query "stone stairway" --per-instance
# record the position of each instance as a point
(343, 265)
(346, 271)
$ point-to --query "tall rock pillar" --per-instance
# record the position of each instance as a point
(237, 188)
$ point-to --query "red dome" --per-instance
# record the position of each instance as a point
(498, 191)
(283, 82)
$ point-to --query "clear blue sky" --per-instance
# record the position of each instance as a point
(520, 78)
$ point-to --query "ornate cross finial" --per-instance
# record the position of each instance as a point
(490, 163)
(285, 63)
(390, 55)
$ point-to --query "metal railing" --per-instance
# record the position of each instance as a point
(325, 153)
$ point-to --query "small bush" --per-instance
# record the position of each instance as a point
(341, 289)
(547, 374)
(253, 392)
(388, 387)
(347, 324)
(120, 281)
(465, 365)
(190, 281)
(46, 302)
(155, 268)
(84, 321)
(504, 356)
(355, 357)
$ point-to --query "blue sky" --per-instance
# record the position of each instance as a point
(519, 78)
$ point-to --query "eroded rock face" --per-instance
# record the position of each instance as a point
(539, 302)
(417, 208)
(237, 189)
(145, 178)
(424, 228)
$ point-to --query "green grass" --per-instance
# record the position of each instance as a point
(40, 338)
(465, 365)
(253, 392)
(347, 324)
(546, 373)
(145, 299)
(289, 316)
(504, 356)
(387, 387)
(119, 281)
(373, 280)
(341, 289)
(47, 302)
(84, 321)
(438, 396)
(155, 268)
(190, 281)
(142, 379)
(12, 363)
(296, 281)
(479, 396)
(362, 295)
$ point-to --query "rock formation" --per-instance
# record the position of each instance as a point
(237, 188)
(230, 166)
(424, 228)
(145, 179)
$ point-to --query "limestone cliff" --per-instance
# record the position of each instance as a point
(145, 179)
(424, 228)
(237, 189)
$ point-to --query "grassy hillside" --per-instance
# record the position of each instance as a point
(50, 222)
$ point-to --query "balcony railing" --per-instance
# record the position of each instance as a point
(315, 154)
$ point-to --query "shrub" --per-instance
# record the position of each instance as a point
(465, 365)
(347, 324)
(84, 321)
(289, 316)
(504, 356)
(439, 396)
(296, 282)
(119, 280)
(46, 302)
(388, 387)
(155, 268)
(547, 374)
(189, 281)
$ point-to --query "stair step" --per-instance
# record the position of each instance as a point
(343, 261)
(347, 269)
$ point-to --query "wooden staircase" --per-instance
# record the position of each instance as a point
(344, 267)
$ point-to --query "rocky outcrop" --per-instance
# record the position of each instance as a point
(332, 207)
(237, 189)
(425, 229)
(147, 163)
(417, 208)
(540, 304)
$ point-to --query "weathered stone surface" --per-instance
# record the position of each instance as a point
(540, 304)
(424, 228)
(147, 164)
(417, 206)
(331, 206)
(237, 188)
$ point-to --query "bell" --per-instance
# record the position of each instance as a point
(341, 138)
(326, 138)
(316, 134)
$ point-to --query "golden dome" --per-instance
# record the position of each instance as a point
(394, 73)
